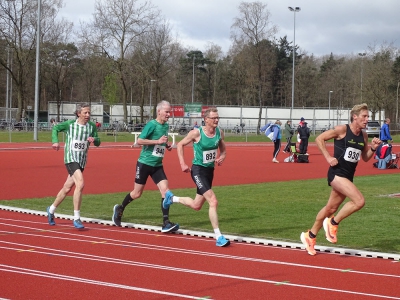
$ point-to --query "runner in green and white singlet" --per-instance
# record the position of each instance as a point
(76, 143)
(79, 134)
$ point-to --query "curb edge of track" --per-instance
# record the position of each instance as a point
(249, 240)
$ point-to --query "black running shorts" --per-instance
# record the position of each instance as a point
(72, 167)
(143, 171)
(203, 178)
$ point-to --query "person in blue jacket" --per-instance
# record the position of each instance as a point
(273, 131)
(384, 134)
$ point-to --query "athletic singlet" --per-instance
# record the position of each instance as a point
(76, 143)
(152, 155)
(205, 150)
(348, 152)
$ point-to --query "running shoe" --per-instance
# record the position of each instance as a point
(308, 242)
(167, 199)
(78, 224)
(169, 227)
(223, 242)
(330, 230)
(117, 215)
(50, 217)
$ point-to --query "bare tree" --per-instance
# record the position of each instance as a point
(18, 28)
(122, 22)
(157, 50)
(378, 78)
(253, 26)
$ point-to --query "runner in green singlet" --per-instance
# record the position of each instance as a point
(206, 142)
(153, 139)
(79, 134)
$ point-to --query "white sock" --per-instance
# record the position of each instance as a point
(175, 199)
(77, 214)
(217, 233)
(52, 209)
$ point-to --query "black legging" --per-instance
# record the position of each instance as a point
(277, 147)
(289, 141)
(303, 146)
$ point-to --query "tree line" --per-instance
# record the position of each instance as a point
(129, 51)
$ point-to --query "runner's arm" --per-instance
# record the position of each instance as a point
(335, 133)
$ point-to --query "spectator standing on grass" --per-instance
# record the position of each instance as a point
(288, 133)
(384, 134)
(80, 133)
(154, 142)
(350, 145)
(206, 142)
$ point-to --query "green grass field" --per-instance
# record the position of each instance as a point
(273, 210)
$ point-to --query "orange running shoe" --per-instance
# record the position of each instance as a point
(308, 242)
(330, 230)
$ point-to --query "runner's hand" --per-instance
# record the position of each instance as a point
(56, 146)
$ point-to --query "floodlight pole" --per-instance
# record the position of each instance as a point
(36, 114)
(294, 10)
(194, 56)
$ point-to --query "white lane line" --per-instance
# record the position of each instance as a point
(31, 272)
(257, 241)
(155, 247)
(197, 272)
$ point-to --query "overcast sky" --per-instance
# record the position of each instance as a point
(322, 27)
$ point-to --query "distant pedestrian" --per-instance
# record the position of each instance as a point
(384, 134)
(304, 135)
(288, 133)
(273, 132)
(80, 133)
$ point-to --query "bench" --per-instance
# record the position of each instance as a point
(172, 134)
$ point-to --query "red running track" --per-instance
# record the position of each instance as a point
(40, 172)
(103, 262)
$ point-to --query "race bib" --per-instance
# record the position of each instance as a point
(79, 146)
(209, 156)
(158, 151)
(352, 155)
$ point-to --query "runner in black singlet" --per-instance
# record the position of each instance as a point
(350, 145)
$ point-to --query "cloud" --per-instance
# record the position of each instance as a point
(322, 27)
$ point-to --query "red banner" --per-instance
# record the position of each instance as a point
(177, 111)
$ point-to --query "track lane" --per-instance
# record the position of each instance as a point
(141, 260)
